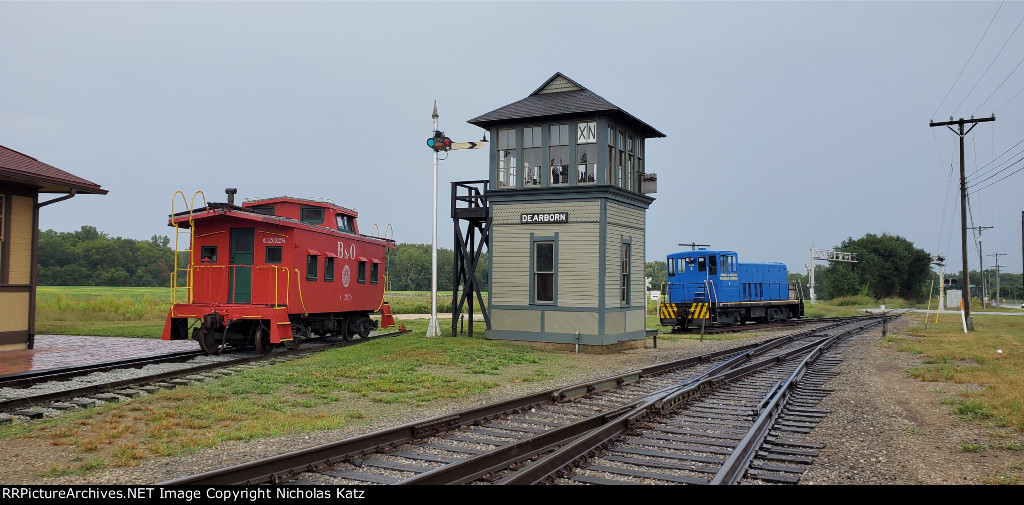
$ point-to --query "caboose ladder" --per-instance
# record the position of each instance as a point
(183, 241)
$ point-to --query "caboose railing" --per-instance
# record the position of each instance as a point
(270, 284)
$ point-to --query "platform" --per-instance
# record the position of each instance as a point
(60, 351)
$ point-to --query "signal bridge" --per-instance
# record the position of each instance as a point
(829, 256)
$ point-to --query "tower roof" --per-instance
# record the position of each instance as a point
(562, 97)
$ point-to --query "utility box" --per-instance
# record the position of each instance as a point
(953, 298)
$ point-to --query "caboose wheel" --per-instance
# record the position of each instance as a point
(343, 329)
(262, 340)
(206, 340)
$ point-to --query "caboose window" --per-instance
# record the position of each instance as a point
(208, 254)
(543, 271)
(313, 215)
(362, 272)
(373, 273)
(311, 267)
(273, 254)
(345, 223)
(263, 209)
(328, 269)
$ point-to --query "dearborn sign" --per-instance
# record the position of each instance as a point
(544, 217)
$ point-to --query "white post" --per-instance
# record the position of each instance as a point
(810, 274)
(433, 330)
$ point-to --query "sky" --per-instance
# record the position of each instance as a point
(788, 125)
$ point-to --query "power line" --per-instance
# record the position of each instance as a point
(968, 60)
(994, 58)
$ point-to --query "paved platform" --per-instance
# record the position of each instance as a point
(59, 351)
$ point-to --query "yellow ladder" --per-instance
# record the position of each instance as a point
(183, 257)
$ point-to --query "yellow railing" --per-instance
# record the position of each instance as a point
(187, 288)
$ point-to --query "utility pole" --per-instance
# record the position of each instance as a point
(983, 294)
(963, 205)
(997, 266)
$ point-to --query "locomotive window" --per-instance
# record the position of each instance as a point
(328, 269)
(362, 272)
(544, 271)
(313, 215)
(273, 254)
(373, 273)
(671, 266)
(702, 263)
(712, 265)
(208, 254)
(311, 267)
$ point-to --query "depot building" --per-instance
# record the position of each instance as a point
(568, 192)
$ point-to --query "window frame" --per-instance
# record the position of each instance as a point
(280, 255)
(507, 176)
(317, 221)
(374, 273)
(625, 272)
(312, 267)
(328, 269)
(203, 253)
(361, 273)
(535, 273)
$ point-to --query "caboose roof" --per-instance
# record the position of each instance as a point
(320, 202)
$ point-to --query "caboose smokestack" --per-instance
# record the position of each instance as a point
(231, 195)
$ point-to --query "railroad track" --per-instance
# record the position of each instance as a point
(33, 395)
(713, 419)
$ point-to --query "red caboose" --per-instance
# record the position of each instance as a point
(275, 270)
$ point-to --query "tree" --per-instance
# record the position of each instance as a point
(887, 266)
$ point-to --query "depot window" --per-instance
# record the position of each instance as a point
(273, 254)
(558, 148)
(2, 228)
(532, 157)
(543, 262)
(312, 215)
(328, 269)
(624, 276)
(311, 267)
(506, 158)
(586, 152)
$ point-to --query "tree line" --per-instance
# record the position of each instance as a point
(887, 266)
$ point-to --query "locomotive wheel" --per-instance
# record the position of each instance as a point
(206, 340)
(262, 340)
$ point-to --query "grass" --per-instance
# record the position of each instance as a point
(346, 387)
(987, 364)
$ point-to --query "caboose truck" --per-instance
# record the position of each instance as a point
(713, 288)
(264, 273)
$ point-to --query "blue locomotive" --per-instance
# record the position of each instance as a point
(706, 288)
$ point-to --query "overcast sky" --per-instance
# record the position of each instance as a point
(787, 123)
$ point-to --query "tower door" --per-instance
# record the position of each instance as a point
(242, 244)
